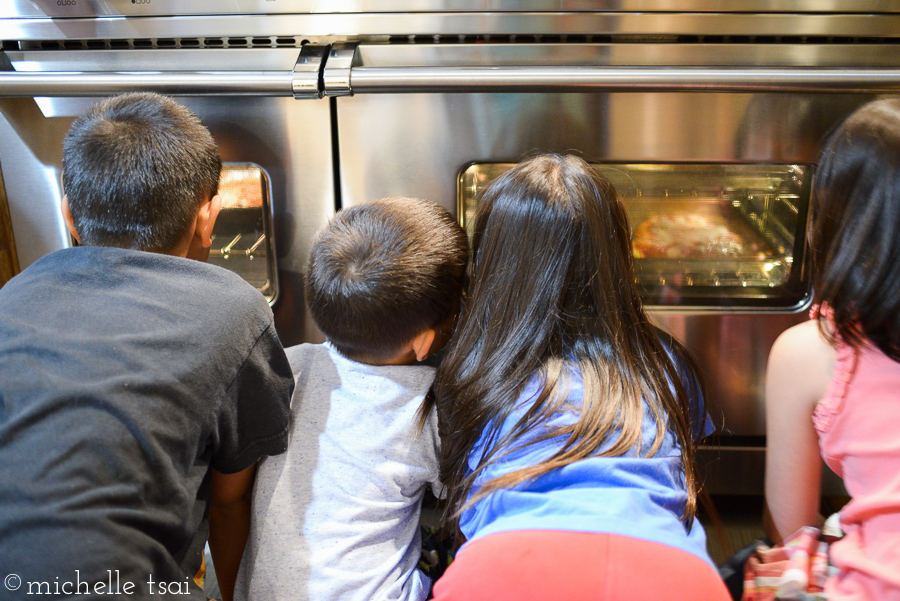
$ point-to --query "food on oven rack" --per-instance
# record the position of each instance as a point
(689, 236)
(240, 187)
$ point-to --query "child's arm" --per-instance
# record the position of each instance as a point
(229, 524)
(798, 373)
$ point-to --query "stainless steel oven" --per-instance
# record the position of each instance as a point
(708, 115)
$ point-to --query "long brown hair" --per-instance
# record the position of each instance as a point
(551, 286)
(853, 229)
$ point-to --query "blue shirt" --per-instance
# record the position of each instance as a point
(630, 495)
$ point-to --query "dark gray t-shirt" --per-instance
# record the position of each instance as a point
(125, 376)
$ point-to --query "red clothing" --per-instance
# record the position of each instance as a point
(542, 565)
(858, 423)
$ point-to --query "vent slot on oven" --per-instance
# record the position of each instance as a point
(425, 39)
(279, 41)
(631, 38)
(703, 235)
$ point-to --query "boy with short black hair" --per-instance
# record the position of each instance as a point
(337, 516)
(138, 389)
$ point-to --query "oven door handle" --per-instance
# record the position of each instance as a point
(303, 81)
(347, 73)
(444, 79)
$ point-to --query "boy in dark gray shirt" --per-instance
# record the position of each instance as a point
(138, 387)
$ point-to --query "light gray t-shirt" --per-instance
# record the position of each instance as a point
(337, 515)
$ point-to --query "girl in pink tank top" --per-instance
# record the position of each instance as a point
(833, 384)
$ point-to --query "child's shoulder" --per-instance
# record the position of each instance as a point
(801, 350)
(804, 341)
(303, 356)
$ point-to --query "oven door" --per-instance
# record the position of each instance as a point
(416, 119)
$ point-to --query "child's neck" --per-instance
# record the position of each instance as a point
(407, 358)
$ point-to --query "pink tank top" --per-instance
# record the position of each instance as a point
(858, 423)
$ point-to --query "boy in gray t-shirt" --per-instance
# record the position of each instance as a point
(337, 516)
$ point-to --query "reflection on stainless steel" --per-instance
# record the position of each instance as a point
(842, 56)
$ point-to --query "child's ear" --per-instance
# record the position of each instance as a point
(67, 217)
(421, 344)
(206, 219)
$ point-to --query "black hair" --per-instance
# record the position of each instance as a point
(382, 272)
(552, 287)
(854, 229)
(136, 168)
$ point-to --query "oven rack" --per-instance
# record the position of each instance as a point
(231, 249)
(744, 273)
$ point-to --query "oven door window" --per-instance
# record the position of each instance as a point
(704, 236)
(242, 235)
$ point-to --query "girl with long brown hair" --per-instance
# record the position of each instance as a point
(568, 422)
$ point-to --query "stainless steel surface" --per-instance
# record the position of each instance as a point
(249, 60)
(840, 54)
(32, 8)
(253, 72)
(81, 84)
(30, 158)
(419, 142)
(305, 78)
(732, 351)
(336, 78)
(675, 67)
(416, 144)
(437, 69)
(409, 80)
(653, 27)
